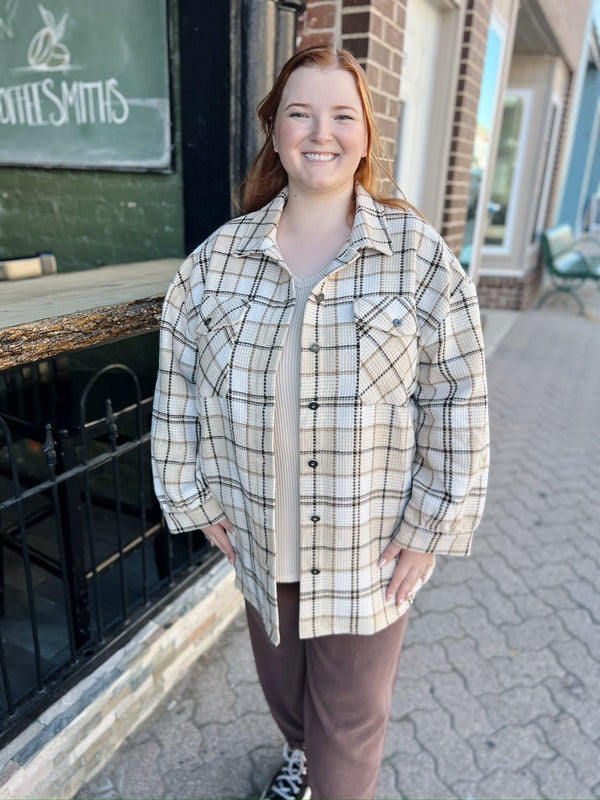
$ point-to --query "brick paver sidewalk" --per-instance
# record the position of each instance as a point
(498, 694)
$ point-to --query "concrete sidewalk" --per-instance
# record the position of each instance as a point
(498, 694)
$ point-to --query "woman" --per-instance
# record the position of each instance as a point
(320, 414)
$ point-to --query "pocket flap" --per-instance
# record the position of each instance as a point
(387, 313)
(217, 312)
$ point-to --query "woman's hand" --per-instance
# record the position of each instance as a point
(217, 537)
(409, 574)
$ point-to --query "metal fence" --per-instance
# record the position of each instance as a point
(84, 554)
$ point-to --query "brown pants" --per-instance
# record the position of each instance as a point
(330, 695)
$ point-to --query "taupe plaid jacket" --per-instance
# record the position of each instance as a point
(393, 408)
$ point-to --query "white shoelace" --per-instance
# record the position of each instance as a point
(289, 781)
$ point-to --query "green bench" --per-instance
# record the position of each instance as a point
(570, 262)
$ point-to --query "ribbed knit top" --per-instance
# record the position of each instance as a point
(286, 439)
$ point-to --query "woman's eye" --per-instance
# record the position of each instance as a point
(297, 114)
(344, 116)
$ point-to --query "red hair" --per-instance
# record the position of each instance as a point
(267, 177)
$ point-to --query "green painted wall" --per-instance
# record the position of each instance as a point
(88, 219)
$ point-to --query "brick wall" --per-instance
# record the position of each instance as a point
(496, 291)
(373, 31)
(319, 24)
(464, 123)
(89, 218)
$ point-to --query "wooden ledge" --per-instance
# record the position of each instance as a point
(45, 317)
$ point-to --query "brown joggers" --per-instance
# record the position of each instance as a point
(330, 695)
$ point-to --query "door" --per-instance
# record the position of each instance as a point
(421, 40)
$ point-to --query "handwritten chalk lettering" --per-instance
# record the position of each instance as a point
(47, 102)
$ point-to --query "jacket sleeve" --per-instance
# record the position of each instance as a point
(450, 468)
(183, 494)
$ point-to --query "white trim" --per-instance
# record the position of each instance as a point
(418, 94)
(509, 226)
(552, 152)
(498, 272)
(447, 5)
(439, 136)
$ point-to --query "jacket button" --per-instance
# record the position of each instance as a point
(397, 322)
(315, 571)
(312, 463)
(314, 347)
(313, 405)
(314, 518)
(320, 297)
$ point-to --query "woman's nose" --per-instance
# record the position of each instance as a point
(321, 131)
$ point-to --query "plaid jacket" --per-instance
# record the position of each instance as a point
(393, 408)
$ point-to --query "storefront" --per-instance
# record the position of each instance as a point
(123, 134)
(532, 146)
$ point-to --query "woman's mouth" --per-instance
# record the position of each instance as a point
(320, 156)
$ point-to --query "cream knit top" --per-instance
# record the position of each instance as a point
(286, 439)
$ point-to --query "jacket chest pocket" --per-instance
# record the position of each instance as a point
(388, 350)
(217, 333)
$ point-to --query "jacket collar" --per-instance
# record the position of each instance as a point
(370, 229)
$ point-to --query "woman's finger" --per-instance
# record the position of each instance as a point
(218, 536)
(389, 554)
(411, 571)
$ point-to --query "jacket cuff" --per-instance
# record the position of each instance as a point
(423, 540)
(184, 521)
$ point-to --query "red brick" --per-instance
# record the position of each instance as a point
(393, 109)
(400, 19)
(392, 36)
(321, 17)
(387, 128)
(376, 26)
(379, 53)
(313, 39)
(356, 23)
(390, 83)
(359, 46)
(385, 7)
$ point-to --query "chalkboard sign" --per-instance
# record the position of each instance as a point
(85, 83)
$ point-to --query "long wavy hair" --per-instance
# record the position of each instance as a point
(267, 176)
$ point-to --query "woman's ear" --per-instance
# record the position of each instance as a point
(274, 144)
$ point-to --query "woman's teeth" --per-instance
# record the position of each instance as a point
(320, 156)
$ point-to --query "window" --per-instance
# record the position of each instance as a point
(502, 198)
(481, 148)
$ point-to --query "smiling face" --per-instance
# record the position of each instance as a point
(320, 131)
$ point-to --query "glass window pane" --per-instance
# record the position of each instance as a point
(504, 172)
(481, 147)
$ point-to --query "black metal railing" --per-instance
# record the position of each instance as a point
(84, 553)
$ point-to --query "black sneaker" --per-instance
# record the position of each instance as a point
(289, 782)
